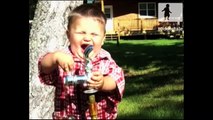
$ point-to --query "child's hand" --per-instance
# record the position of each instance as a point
(65, 61)
(96, 81)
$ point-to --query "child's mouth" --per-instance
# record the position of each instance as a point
(84, 47)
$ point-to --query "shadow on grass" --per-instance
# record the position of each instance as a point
(167, 64)
(146, 83)
(156, 111)
(138, 56)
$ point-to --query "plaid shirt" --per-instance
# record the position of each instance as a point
(72, 102)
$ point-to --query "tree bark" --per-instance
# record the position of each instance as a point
(48, 33)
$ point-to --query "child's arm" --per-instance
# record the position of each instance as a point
(100, 82)
(162, 10)
(48, 66)
(109, 84)
(51, 60)
(112, 81)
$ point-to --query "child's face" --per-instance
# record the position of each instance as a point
(86, 31)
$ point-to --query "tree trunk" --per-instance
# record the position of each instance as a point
(47, 34)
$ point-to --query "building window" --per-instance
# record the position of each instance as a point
(107, 12)
(88, 1)
(147, 9)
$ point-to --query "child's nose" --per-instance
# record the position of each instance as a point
(87, 38)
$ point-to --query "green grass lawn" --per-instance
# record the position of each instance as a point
(154, 78)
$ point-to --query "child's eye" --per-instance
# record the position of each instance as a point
(94, 34)
(81, 32)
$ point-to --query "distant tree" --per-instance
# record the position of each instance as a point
(46, 34)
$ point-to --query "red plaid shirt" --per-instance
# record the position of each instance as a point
(72, 102)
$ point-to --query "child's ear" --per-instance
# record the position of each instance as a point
(103, 40)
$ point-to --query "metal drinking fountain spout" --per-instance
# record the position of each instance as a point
(75, 79)
(88, 67)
